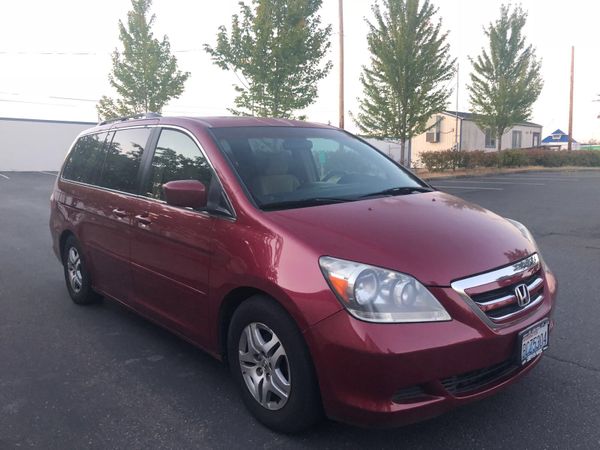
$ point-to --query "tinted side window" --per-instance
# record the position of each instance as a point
(177, 157)
(123, 159)
(85, 161)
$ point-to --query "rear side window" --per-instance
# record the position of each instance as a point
(85, 161)
(177, 157)
(123, 159)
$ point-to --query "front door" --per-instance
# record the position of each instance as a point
(171, 247)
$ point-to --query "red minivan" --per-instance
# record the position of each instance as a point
(331, 280)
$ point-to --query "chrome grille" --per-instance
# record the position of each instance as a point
(500, 305)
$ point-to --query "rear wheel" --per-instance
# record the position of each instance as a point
(76, 274)
(271, 363)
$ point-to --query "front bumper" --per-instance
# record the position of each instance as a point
(395, 374)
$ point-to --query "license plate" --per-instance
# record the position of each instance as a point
(534, 340)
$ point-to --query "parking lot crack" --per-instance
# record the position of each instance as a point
(581, 366)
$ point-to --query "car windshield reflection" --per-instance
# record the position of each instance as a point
(293, 167)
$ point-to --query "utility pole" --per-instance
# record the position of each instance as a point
(456, 119)
(341, 105)
(570, 143)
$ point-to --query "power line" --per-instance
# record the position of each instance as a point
(83, 53)
(74, 99)
(180, 107)
(175, 109)
(54, 97)
(2, 100)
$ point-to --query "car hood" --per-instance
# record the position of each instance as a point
(435, 237)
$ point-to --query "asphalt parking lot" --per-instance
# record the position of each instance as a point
(101, 377)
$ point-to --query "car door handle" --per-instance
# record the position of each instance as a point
(143, 219)
(119, 213)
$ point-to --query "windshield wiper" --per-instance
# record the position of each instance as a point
(288, 204)
(404, 190)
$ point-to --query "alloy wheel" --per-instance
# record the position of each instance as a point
(265, 366)
(74, 270)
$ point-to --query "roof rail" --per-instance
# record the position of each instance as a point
(145, 115)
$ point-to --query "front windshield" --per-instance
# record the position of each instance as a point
(292, 167)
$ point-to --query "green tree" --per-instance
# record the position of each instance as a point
(404, 85)
(276, 48)
(145, 73)
(506, 80)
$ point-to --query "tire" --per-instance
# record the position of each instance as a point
(77, 276)
(288, 359)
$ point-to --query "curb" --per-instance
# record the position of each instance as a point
(484, 173)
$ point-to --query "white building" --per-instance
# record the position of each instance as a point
(450, 130)
(390, 148)
(36, 145)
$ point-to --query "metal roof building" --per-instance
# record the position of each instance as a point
(36, 145)
(559, 140)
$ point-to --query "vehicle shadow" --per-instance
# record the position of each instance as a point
(204, 392)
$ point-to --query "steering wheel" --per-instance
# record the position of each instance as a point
(333, 173)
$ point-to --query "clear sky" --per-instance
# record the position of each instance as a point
(55, 55)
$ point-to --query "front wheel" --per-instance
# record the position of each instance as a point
(271, 363)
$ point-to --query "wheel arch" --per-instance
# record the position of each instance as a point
(62, 241)
(229, 304)
(235, 297)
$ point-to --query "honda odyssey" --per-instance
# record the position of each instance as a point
(329, 278)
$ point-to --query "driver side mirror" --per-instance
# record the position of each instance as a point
(185, 193)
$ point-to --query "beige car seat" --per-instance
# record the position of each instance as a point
(276, 179)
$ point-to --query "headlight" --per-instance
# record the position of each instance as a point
(374, 294)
